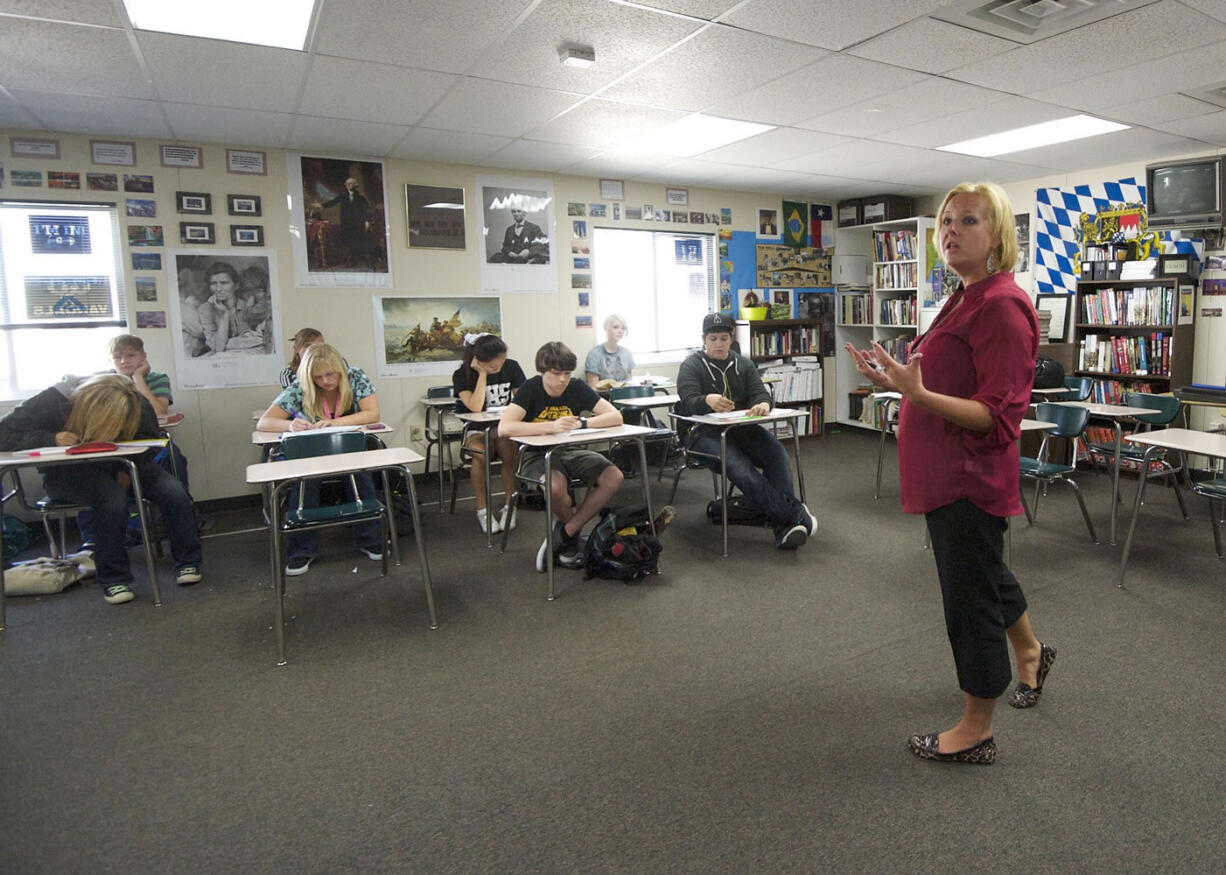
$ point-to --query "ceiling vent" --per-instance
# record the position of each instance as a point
(1028, 21)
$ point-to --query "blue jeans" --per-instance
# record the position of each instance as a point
(95, 485)
(368, 535)
(758, 465)
(85, 519)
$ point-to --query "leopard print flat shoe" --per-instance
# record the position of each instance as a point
(1026, 696)
(927, 747)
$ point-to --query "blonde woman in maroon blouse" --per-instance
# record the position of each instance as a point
(965, 390)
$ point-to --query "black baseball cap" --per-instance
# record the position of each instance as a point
(714, 322)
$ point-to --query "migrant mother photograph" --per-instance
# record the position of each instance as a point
(420, 336)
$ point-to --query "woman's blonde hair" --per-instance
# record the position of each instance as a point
(304, 337)
(322, 358)
(1000, 216)
(105, 408)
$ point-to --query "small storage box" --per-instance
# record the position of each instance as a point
(885, 208)
(849, 213)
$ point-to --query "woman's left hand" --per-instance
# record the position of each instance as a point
(868, 365)
(906, 379)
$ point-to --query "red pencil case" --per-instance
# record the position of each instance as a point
(92, 447)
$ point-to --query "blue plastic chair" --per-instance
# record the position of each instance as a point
(1070, 423)
(1165, 408)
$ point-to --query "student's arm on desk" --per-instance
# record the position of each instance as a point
(511, 424)
(368, 412)
(275, 419)
(606, 415)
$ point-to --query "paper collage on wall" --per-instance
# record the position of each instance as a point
(425, 336)
(225, 305)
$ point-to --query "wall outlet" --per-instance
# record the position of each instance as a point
(416, 434)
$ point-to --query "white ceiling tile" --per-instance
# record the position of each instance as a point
(239, 128)
(44, 56)
(847, 159)
(707, 9)
(603, 124)
(930, 45)
(831, 24)
(1214, 8)
(1103, 46)
(113, 116)
(1209, 128)
(747, 178)
(618, 165)
(682, 78)
(444, 35)
(774, 148)
(192, 70)
(452, 147)
(1003, 115)
(481, 106)
(344, 135)
(16, 117)
(395, 95)
(821, 87)
(535, 155)
(929, 98)
(1155, 110)
(85, 11)
(622, 36)
(1122, 147)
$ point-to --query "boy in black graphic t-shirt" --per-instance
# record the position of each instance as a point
(554, 403)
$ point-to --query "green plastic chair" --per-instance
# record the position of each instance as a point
(1165, 410)
(661, 436)
(1079, 389)
(1070, 423)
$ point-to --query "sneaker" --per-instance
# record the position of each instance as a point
(562, 544)
(298, 565)
(808, 519)
(502, 520)
(793, 537)
(118, 593)
(187, 575)
(571, 556)
(373, 554)
(491, 525)
(664, 518)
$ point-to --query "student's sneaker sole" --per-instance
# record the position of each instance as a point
(293, 570)
(372, 555)
(794, 537)
(188, 575)
(118, 594)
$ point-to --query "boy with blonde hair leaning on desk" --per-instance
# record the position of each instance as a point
(553, 402)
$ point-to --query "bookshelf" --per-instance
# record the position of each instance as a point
(1128, 337)
(898, 302)
(791, 349)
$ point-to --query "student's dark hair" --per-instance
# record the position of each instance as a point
(555, 356)
(483, 349)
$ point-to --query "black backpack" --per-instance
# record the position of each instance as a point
(621, 547)
(1048, 373)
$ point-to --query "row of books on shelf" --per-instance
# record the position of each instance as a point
(897, 311)
(871, 413)
(899, 347)
(809, 425)
(903, 275)
(796, 340)
(1112, 392)
(1140, 306)
(1124, 354)
(799, 380)
(857, 309)
(894, 245)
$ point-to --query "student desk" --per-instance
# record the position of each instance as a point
(581, 437)
(266, 440)
(1181, 440)
(884, 400)
(486, 420)
(647, 403)
(1116, 413)
(439, 408)
(277, 476)
(15, 461)
(724, 424)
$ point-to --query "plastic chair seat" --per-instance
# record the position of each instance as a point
(1215, 488)
(1044, 470)
(350, 511)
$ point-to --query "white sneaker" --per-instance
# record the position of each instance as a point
(489, 524)
(811, 522)
(502, 524)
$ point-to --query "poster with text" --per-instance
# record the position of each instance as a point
(517, 248)
(225, 306)
(425, 336)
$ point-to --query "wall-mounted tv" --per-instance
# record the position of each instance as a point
(1186, 194)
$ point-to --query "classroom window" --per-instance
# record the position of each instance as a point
(61, 292)
(661, 282)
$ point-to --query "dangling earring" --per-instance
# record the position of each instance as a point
(993, 263)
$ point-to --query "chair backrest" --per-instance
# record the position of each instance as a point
(1082, 386)
(440, 392)
(1167, 406)
(620, 392)
(1070, 421)
(305, 445)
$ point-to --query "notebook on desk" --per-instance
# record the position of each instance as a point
(327, 429)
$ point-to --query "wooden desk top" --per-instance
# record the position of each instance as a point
(259, 438)
(580, 436)
(480, 417)
(323, 466)
(1037, 425)
(1111, 411)
(776, 414)
(437, 402)
(43, 456)
(649, 401)
(1201, 443)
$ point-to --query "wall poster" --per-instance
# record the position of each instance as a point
(419, 336)
(518, 228)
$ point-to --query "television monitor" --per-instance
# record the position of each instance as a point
(1185, 194)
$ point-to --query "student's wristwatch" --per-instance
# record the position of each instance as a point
(583, 422)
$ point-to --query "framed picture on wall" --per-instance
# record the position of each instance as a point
(198, 202)
(677, 197)
(435, 216)
(1057, 305)
(196, 232)
(247, 235)
(243, 205)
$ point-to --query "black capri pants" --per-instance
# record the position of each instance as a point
(981, 596)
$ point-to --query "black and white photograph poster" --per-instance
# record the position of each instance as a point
(517, 252)
(338, 222)
(1022, 220)
(425, 336)
(225, 306)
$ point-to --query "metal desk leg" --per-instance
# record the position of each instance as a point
(2, 596)
(723, 476)
(646, 486)
(278, 572)
(144, 530)
(800, 474)
(489, 498)
(1115, 479)
(419, 536)
(549, 594)
(391, 515)
(1136, 506)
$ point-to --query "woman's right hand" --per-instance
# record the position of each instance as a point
(297, 424)
(67, 439)
(868, 365)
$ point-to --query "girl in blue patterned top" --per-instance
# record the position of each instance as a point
(327, 392)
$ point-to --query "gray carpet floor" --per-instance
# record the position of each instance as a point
(746, 714)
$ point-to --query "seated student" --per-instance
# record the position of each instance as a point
(327, 392)
(608, 360)
(553, 403)
(106, 408)
(300, 341)
(130, 359)
(716, 380)
(486, 378)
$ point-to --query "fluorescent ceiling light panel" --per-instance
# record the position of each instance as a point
(694, 135)
(282, 24)
(1060, 130)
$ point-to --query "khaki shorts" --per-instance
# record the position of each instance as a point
(576, 463)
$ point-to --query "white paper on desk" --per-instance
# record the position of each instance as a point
(496, 408)
(41, 451)
(327, 429)
(731, 414)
